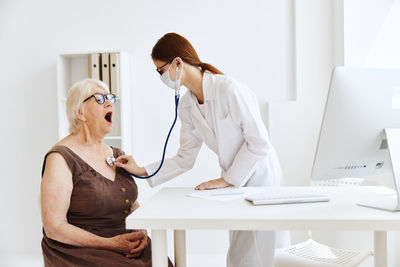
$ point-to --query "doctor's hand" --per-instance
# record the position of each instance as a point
(129, 164)
(213, 184)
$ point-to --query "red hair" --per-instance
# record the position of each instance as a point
(173, 45)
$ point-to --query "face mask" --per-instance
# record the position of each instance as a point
(174, 85)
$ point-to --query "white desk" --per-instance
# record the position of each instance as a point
(171, 209)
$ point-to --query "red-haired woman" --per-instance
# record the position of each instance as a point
(224, 114)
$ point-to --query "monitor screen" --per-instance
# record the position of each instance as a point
(361, 103)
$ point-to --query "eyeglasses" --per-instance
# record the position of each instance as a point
(159, 69)
(101, 98)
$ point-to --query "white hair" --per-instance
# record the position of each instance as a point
(78, 92)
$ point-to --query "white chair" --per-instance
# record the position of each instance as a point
(313, 254)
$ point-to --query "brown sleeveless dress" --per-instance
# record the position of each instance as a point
(100, 206)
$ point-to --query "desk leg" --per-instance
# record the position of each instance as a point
(180, 248)
(159, 248)
(380, 249)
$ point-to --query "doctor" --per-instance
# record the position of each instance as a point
(223, 113)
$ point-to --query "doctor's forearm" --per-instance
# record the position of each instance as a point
(141, 171)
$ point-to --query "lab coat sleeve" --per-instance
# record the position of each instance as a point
(184, 159)
(244, 110)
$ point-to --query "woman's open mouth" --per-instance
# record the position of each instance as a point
(108, 117)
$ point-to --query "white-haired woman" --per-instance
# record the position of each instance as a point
(84, 200)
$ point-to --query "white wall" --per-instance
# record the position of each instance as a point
(248, 39)
(294, 125)
(372, 37)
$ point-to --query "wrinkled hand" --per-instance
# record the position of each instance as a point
(129, 164)
(213, 184)
(139, 249)
(125, 243)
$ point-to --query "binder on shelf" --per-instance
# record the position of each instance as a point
(105, 68)
(94, 66)
(114, 73)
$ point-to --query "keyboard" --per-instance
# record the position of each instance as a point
(280, 198)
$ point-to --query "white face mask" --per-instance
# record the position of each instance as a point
(174, 85)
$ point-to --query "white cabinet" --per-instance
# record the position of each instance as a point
(73, 67)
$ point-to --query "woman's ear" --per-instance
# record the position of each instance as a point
(79, 114)
(179, 62)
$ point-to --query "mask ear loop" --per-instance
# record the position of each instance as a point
(178, 85)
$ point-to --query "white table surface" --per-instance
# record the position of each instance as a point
(170, 208)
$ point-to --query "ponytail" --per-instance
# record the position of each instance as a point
(209, 67)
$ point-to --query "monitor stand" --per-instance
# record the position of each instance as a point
(390, 203)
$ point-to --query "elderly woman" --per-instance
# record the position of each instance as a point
(84, 200)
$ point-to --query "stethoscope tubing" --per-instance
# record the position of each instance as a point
(165, 145)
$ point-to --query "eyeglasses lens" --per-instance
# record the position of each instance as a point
(111, 98)
(99, 98)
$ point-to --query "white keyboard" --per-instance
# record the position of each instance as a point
(274, 198)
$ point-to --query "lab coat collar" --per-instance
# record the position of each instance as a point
(200, 120)
(209, 81)
(200, 124)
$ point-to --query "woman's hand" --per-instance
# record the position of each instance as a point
(129, 164)
(213, 184)
(125, 243)
(139, 249)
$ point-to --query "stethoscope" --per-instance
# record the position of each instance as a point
(111, 160)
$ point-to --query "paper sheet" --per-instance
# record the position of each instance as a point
(223, 194)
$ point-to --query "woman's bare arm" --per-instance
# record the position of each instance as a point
(56, 189)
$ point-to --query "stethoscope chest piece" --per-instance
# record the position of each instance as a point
(110, 161)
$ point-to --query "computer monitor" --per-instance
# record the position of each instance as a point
(360, 130)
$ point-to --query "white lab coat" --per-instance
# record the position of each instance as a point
(233, 129)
